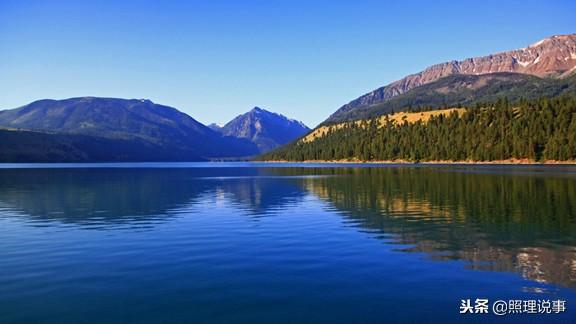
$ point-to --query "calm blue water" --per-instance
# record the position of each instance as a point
(282, 243)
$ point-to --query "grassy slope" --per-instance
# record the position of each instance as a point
(396, 118)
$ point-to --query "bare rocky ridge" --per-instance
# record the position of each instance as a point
(551, 57)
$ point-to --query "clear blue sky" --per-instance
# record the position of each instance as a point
(217, 59)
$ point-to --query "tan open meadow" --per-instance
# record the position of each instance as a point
(396, 118)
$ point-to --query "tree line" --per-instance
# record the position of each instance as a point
(541, 129)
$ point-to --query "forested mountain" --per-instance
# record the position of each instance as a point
(468, 90)
(266, 129)
(511, 105)
(144, 124)
(537, 130)
(553, 57)
(32, 146)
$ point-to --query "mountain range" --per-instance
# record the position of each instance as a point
(552, 58)
(111, 129)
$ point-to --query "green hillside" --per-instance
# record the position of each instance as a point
(538, 130)
(29, 146)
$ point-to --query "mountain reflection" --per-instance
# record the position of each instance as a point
(107, 197)
(522, 221)
(104, 196)
(260, 195)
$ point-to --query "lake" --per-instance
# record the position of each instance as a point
(283, 243)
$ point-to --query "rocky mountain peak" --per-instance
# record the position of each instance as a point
(267, 129)
(551, 57)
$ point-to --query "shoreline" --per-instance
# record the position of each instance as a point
(435, 162)
(390, 162)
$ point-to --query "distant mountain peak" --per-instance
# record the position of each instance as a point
(278, 115)
(215, 127)
(266, 129)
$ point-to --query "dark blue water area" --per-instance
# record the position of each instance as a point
(283, 243)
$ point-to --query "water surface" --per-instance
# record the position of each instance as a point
(260, 243)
